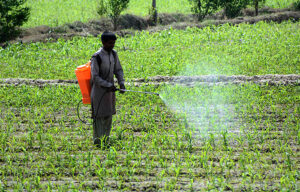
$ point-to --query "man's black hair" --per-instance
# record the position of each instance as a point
(107, 36)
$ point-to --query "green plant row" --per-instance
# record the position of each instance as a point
(263, 48)
(59, 12)
(43, 146)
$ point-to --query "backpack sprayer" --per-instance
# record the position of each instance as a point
(83, 74)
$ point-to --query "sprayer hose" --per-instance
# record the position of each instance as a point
(78, 115)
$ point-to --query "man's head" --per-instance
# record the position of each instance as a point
(108, 40)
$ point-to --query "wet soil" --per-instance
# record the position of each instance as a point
(291, 79)
(129, 24)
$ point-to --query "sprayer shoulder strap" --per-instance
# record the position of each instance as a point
(114, 55)
(98, 58)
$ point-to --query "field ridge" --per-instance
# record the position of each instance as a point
(276, 79)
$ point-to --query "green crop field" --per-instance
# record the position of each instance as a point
(59, 12)
(246, 139)
(241, 136)
(248, 50)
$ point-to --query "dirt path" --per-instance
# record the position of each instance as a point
(292, 79)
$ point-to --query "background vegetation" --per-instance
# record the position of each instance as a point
(112, 9)
(13, 15)
(59, 12)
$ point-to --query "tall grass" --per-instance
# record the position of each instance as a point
(59, 12)
(280, 3)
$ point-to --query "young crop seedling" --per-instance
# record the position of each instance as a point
(200, 137)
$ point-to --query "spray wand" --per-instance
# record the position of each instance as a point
(144, 92)
(124, 90)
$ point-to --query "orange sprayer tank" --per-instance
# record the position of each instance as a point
(83, 74)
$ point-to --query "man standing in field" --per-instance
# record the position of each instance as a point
(105, 64)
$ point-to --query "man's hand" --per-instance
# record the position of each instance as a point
(111, 89)
(122, 86)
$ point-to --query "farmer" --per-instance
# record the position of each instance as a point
(105, 64)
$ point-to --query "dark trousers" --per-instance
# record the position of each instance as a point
(101, 129)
